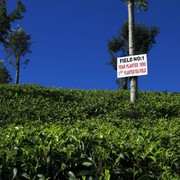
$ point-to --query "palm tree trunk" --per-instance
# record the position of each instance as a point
(133, 80)
(17, 69)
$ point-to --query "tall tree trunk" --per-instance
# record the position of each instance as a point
(17, 69)
(133, 80)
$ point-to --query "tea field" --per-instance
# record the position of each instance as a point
(69, 134)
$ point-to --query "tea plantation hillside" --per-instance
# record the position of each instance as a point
(48, 133)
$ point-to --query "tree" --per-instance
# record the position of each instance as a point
(142, 5)
(133, 80)
(7, 19)
(5, 77)
(18, 45)
(144, 41)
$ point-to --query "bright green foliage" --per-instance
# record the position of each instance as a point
(48, 133)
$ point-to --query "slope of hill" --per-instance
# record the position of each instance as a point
(77, 134)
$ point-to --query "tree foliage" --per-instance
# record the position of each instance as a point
(6, 19)
(140, 4)
(18, 45)
(5, 77)
(145, 39)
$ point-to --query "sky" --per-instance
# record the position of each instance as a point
(70, 37)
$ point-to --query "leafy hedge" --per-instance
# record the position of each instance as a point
(32, 102)
(48, 133)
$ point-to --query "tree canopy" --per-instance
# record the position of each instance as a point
(18, 45)
(140, 4)
(144, 40)
(5, 77)
(6, 19)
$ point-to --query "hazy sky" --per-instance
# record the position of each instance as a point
(70, 43)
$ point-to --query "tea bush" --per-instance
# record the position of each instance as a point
(48, 133)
